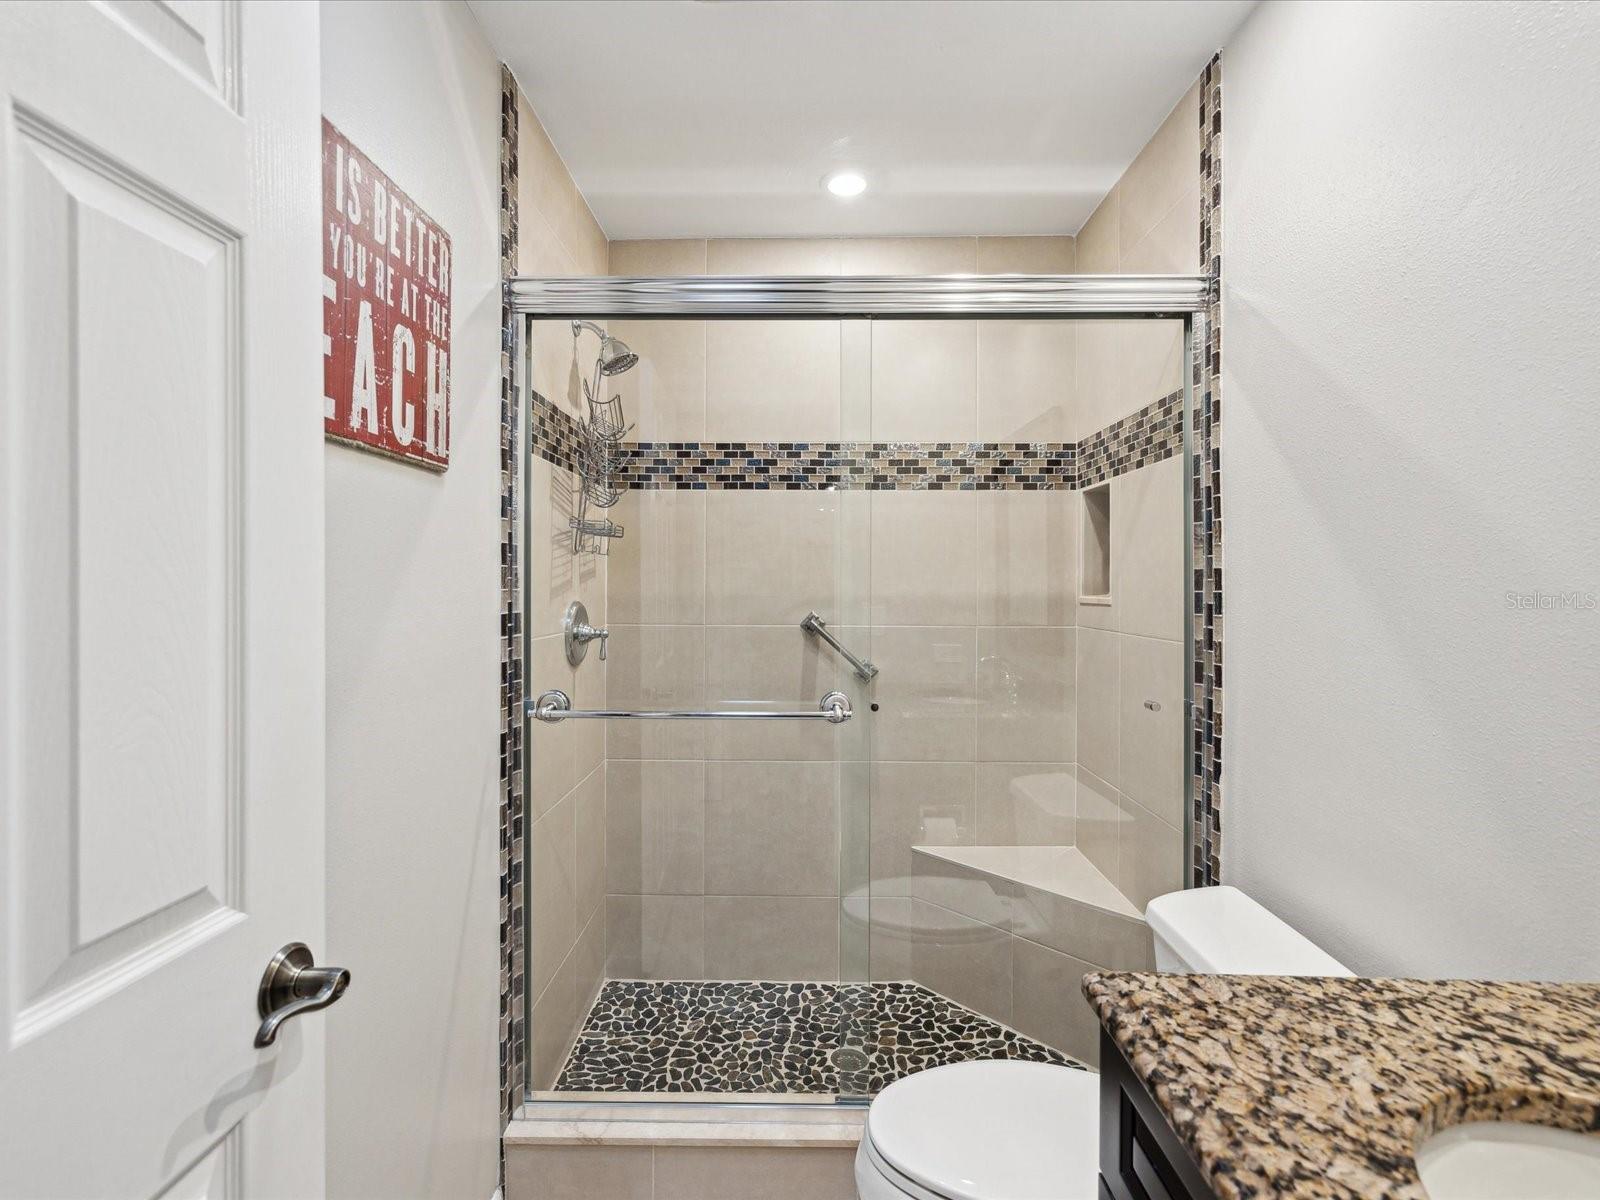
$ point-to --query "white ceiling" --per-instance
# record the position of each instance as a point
(695, 118)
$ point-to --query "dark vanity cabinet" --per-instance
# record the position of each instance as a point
(1140, 1156)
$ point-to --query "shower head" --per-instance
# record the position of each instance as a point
(615, 357)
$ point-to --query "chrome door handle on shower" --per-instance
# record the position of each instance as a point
(555, 706)
(294, 984)
(816, 626)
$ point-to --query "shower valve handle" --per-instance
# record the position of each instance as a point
(588, 633)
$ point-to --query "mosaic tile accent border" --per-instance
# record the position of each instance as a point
(556, 434)
(1151, 435)
(671, 1036)
(869, 466)
(513, 1026)
(1206, 866)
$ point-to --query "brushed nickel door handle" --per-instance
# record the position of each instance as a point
(294, 984)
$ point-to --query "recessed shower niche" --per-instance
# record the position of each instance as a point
(843, 800)
(1095, 580)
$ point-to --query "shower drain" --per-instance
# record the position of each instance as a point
(850, 1060)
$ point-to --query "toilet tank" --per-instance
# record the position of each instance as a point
(1221, 931)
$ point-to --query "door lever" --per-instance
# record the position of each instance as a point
(294, 984)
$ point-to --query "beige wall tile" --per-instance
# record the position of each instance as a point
(741, 943)
(772, 829)
(767, 1173)
(558, 370)
(916, 804)
(589, 817)
(655, 827)
(894, 925)
(1100, 820)
(1116, 942)
(655, 667)
(855, 380)
(968, 961)
(927, 694)
(1098, 244)
(550, 1021)
(1151, 740)
(1101, 375)
(1027, 381)
(924, 558)
(589, 692)
(556, 576)
(772, 256)
(552, 891)
(1149, 856)
(1167, 167)
(772, 381)
(773, 556)
(656, 573)
(908, 256)
(664, 395)
(1027, 694)
(552, 194)
(539, 250)
(1099, 706)
(552, 749)
(655, 937)
(1026, 804)
(579, 1172)
(765, 666)
(1027, 256)
(976, 895)
(924, 381)
(1047, 1000)
(662, 256)
(1147, 536)
(1027, 556)
(1153, 353)
(1172, 245)
(589, 958)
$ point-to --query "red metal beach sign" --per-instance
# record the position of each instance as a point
(385, 313)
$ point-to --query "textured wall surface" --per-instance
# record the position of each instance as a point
(412, 610)
(1410, 436)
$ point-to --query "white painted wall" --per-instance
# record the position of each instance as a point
(1410, 430)
(413, 659)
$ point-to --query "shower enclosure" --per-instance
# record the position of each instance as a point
(886, 740)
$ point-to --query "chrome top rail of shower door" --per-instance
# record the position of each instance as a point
(555, 706)
(861, 295)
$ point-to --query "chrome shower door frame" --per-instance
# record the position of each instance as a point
(883, 297)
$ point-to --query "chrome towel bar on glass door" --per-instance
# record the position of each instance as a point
(555, 706)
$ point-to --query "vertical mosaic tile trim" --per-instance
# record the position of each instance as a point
(1207, 492)
(869, 466)
(512, 966)
(1151, 435)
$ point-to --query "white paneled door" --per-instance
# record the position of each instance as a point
(161, 672)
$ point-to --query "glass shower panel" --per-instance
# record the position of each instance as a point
(732, 955)
(1027, 606)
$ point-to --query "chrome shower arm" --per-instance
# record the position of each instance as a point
(816, 626)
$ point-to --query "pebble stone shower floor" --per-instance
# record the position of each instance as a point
(679, 1036)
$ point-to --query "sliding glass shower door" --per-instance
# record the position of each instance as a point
(729, 875)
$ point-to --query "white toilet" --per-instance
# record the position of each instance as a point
(1001, 1130)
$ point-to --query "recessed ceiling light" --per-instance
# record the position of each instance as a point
(846, 184)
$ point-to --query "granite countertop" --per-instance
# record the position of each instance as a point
(1322, 1088)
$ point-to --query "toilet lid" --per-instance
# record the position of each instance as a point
(993, 1130)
